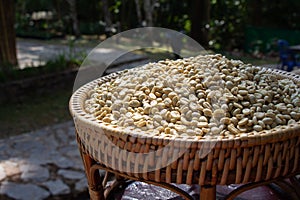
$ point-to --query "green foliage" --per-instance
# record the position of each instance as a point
(269, 21)
(42, 27)
(228, 18)
(174, 14)
(90, 28)
(89, 12)
(264, 40)
(115, 8)
(276, 14)
(33, 5)
(6, 70)
(227, 24)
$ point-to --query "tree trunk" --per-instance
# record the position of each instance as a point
(200, 17)
(73, 13)
(255, 12)
(138, 11)
(107, 16)
(148, 9)
(8, 55)
(58, 10)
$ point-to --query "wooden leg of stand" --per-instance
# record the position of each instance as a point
(96, 190)
(95, 186)
(208, 192)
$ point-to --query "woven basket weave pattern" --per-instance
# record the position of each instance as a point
(273, 154)
(225, 164)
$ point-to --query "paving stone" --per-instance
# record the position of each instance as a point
(23, 191)
(62, 136)
(63, 162)
(57, 187)
(44, 150)
(71, 174)
(15, 153)
(54, 155)
(51, 142)
(59, 126)
(70, 151)
(2, 173)
(4, 157)
(36, 173)
(27, 145)
(81, 185)
(73, 142)
(70, 124)
(44, 132)
(38, 159)
(22, 139)
(71, 130)
(78, 164)
(3, 147)
(11, 168)
(20, 161)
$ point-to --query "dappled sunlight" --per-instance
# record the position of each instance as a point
(34, 53)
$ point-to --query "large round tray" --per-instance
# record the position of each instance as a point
(271, 155)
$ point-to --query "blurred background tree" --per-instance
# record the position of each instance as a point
(73, 15)
(224, 25)
(8, 55)
(200, 18)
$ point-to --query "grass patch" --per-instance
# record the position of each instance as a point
(34, 112)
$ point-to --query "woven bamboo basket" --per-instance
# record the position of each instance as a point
(271, 155)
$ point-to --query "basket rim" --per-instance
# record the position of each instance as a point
(266, 136)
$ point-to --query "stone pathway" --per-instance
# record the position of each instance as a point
(42, 165)
(46, 164)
